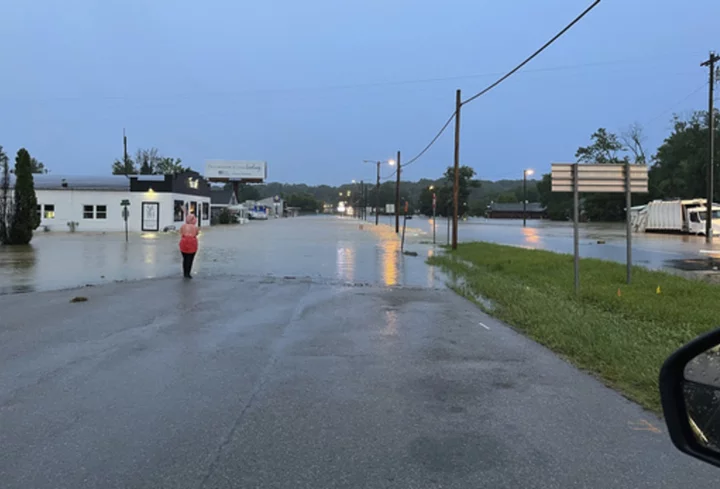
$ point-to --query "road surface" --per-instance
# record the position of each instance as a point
(236, 380)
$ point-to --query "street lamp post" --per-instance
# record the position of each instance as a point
(434, 206)
(377, 188)
(526, 172)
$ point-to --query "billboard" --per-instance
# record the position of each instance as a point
(227, 170)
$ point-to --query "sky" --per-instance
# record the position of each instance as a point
(316, 87)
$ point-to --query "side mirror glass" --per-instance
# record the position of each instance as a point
(701, 389)
(690, 396)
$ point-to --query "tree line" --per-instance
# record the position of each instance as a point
(148, 162)
(678, 169)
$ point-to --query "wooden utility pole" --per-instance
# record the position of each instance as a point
(397, 195)
(456, 180)
(710, 63)
(377, 196)
(125, 156)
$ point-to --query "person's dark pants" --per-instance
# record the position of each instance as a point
(187, 263)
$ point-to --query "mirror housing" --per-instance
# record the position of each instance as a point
(673, 397)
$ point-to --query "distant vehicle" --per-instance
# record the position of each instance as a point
(674, 216)
(258, 213)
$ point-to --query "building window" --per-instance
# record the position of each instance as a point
(39, 211)
(49, 211)
(94, 212)
(206, 211)
(179, 211)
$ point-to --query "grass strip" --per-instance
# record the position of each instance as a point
(622, 333)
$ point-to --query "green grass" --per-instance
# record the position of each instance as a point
(622, 339)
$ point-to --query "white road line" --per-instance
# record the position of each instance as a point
(481, 324)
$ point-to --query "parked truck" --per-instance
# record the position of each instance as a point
(674, 216)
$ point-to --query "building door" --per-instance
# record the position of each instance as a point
(150, 216)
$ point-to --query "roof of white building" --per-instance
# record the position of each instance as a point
(78, 182)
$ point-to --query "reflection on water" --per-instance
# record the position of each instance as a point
(391, 323)
(431, 270)
(531, 235)
(390, 250)
(17, 269)
(346, 262)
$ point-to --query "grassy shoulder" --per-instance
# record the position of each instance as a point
(623, 338)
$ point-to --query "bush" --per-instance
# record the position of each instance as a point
(226, 217)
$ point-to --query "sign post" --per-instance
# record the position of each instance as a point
(599, 178)
(126, 214)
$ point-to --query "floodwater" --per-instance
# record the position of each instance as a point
(318, 247)
(605, 241)
(322, 248)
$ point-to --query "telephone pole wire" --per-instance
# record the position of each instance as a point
(710, 63)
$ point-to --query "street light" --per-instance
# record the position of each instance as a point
(527, 172)
(434, 205)
(377, 187)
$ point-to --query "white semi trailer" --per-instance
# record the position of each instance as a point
(674, 216)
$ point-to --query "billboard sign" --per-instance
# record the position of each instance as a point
(389, 208)
(227, 170)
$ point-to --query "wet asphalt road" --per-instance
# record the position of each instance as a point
(249, 381)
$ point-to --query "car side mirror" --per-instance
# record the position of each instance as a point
(690, 396)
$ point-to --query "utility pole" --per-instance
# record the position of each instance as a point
(363, 199)
(397, 195)
(456, 182)
(125, 156)
(377, 196)
(710, 63)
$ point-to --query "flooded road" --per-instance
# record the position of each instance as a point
(319, 247)
(323, 247)
(605, 241)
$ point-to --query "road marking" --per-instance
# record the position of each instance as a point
(643, 425)
(481, 324)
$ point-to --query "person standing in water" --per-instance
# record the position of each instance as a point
(188, 243)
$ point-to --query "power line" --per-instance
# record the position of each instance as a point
(503, 78)
(527, 60)
(437, 136)
(705, 84)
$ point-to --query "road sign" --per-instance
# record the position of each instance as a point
(599, 178)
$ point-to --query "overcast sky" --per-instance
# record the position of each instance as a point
(314, 87)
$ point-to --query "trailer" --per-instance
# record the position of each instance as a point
(674, 216)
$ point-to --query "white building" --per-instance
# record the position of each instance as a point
(94, 204)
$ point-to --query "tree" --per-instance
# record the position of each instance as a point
(170, 166)
(305, 202)
(25, 218)
(508, 198)
(558, 205)
(466, 184)
(679, 167)
(604, 149)
(5, 210)
(37, 166)
(633, 139)
(148, 160)
(124, 168)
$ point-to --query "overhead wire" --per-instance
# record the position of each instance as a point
(502, 79)
(532, 56)
(664, 112)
